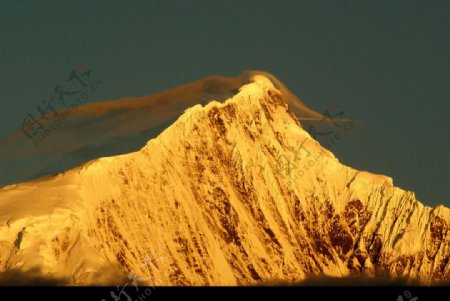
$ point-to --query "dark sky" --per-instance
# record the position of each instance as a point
(385, 63)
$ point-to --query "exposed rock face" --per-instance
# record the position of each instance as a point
(231, 193)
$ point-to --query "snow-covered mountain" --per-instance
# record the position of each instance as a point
(232, 193)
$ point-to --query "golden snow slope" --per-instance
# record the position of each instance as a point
(205, 203)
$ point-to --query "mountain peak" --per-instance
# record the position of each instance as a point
(230, 193)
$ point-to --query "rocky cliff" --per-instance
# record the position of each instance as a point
(232, 193)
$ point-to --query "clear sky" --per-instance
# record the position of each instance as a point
(385, 63)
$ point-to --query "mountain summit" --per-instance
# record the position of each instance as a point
(216, 200)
